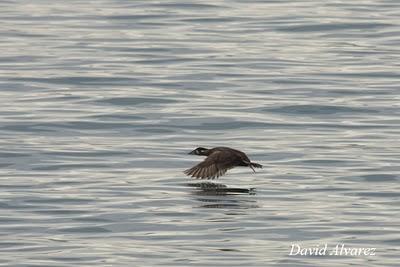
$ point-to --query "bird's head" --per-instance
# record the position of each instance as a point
(200, 151)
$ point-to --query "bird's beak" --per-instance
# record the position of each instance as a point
(192, 153)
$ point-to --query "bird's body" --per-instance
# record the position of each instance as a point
(218, 161)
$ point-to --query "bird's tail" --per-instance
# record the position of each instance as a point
(255, 165)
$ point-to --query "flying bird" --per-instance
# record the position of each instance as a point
(218, 161)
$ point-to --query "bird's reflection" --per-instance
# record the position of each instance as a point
(208, 188)
(215, 195)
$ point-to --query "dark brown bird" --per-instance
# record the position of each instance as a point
(218, 161)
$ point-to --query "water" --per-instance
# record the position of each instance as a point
(102, 100)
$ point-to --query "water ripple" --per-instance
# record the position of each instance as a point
(102, 101)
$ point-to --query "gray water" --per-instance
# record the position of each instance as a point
(102, 100)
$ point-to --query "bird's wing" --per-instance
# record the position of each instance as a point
(210, 168)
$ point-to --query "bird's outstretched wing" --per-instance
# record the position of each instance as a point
(209, 168)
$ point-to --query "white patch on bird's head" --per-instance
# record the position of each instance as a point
(201, 151)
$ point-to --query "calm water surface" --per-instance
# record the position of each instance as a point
(102, 100)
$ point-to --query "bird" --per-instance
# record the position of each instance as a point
(219, 160)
